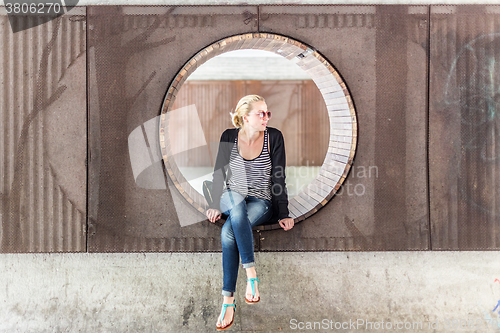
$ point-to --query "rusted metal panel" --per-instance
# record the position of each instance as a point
(464, 119)
(383, 202)
(43, 133)
(134, 54)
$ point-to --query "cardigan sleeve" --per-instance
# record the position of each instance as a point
(220, 169)
(278, 187)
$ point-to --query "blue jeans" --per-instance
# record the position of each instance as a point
(236, 235)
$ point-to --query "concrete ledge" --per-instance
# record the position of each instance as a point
(179, 292)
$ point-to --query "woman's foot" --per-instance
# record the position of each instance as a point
(226, 316)
(252, 294)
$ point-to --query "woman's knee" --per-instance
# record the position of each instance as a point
(232, 202)
(239, 218)
(227, 236)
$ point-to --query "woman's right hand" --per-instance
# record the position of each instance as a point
(213, 215)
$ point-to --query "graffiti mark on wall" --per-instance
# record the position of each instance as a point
(472, 89)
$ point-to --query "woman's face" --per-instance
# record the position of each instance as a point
(254, 120)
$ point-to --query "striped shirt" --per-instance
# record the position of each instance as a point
(251, 177)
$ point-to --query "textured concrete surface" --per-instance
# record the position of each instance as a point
(181, 292)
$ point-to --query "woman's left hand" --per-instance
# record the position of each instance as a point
(287, 223)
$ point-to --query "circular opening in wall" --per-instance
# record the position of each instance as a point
(310, 102)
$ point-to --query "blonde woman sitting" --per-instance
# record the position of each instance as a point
(251, 163)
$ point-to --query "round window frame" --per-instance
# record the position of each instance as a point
(340, 107)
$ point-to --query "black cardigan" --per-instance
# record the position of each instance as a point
(278, 187)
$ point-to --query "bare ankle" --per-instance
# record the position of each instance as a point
(228, 300)
(251, 272)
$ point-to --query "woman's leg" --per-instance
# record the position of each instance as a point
(230, 256)
(233, 204)
(230, 259)
(259, 211)
(237, 236)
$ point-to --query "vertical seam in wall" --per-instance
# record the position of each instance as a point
(88, 120)
(427, 125)
(258, 18)
(258, 245)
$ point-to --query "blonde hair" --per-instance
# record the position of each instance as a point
(243, 107)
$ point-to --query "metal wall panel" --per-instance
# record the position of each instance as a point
(43, 134)
(381, 52)
(464, 123)
(134, 53)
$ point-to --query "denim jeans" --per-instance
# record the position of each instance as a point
(236, 235)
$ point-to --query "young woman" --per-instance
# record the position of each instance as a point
(251, 163)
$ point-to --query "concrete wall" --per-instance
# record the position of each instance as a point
(181, 292)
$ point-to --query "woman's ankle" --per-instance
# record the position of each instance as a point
(228, 300)
(251, 272)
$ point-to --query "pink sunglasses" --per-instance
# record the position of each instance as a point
(262, 114)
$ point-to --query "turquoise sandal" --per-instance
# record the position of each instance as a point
(224, 307)
(252, 281)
